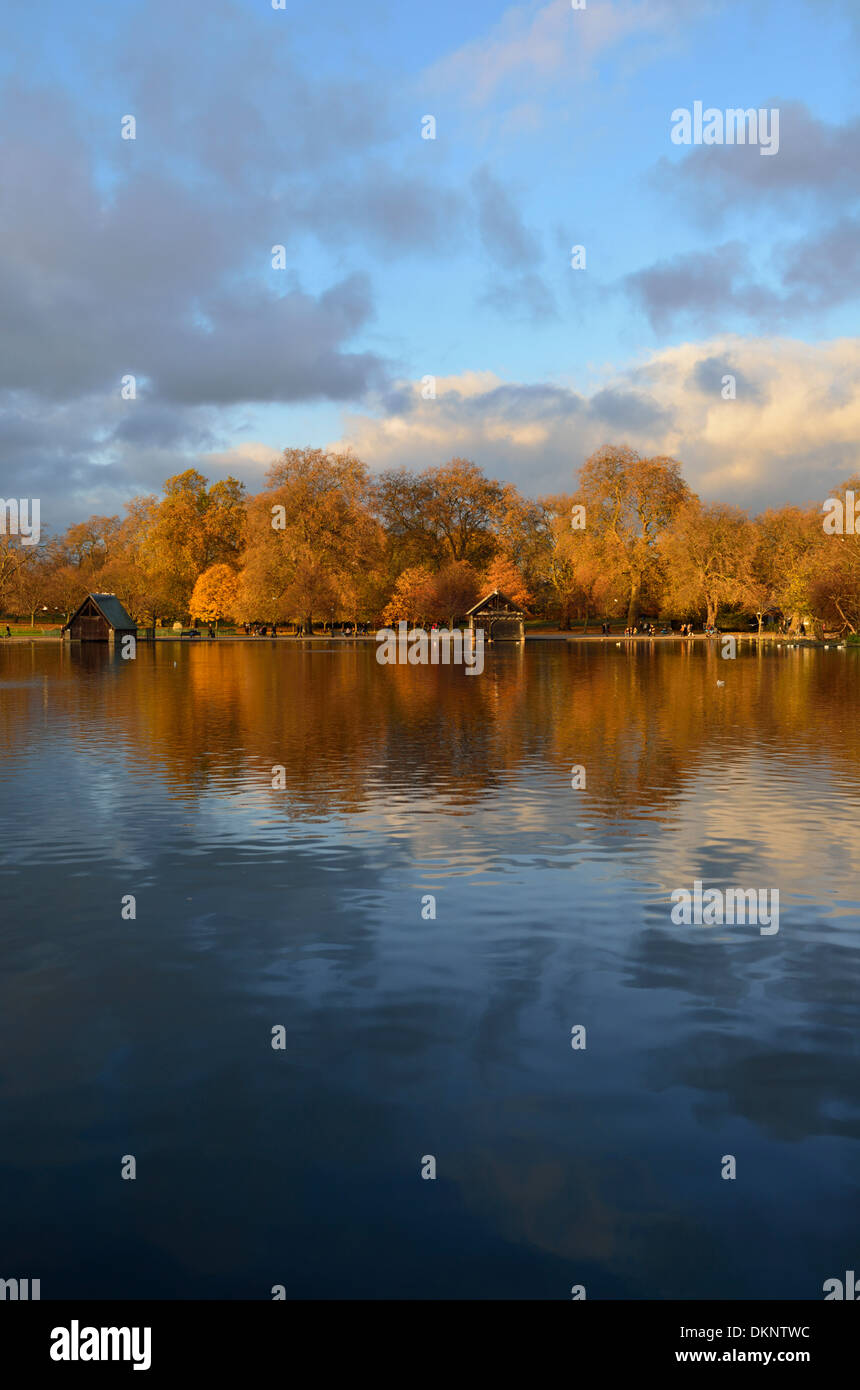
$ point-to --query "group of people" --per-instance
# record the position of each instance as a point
(643, 630)
(271, 630)
(650, 630)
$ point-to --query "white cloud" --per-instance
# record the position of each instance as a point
(248, 462)
(790, 434)
(539, 43)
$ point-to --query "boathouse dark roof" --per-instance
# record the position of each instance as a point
(111, 610)
(502, 605)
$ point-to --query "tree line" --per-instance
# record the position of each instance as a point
(327, 540)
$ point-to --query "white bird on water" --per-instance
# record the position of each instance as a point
(720, 682)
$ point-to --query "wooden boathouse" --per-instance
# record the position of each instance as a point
(500, 618)
(100, 618)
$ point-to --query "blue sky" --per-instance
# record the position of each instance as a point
(407, 257)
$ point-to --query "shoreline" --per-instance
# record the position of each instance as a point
(778, 639)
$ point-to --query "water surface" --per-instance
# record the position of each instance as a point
(301, 905)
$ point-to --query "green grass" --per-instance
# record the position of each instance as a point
(22, 630)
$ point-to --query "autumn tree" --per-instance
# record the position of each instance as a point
(788, 559)
(523, 535)
(455, 590)
(557, 576)
(90, 544)
(835, 579)
(630, 503)
(14, 558)
(362, 591)
(173, 540)
(66, 588)
(503, 574)
(173, 550)
(225, 520)
(30, 587)
(400, 502)
(413, 597)
(75, 563)
(215, 594)
(707, 557)
(576, 577)
(278, 583)
(307, 535)
(462, 509)
(446, 513)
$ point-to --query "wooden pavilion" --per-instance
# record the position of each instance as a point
(500, 618)
(100, 618)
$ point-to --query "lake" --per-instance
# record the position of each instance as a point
(308, 906)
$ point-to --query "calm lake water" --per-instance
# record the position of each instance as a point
(408, 1037)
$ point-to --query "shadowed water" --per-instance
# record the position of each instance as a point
(406, 1037)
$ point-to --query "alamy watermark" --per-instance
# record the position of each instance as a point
(731, 127)
(21, 518)
(716, 906)
(415, 647)
(76, 1343)
(23, 1289)
(835, 1288)
(841, 518)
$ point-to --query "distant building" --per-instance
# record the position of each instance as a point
(500, 618)
(100, 618)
